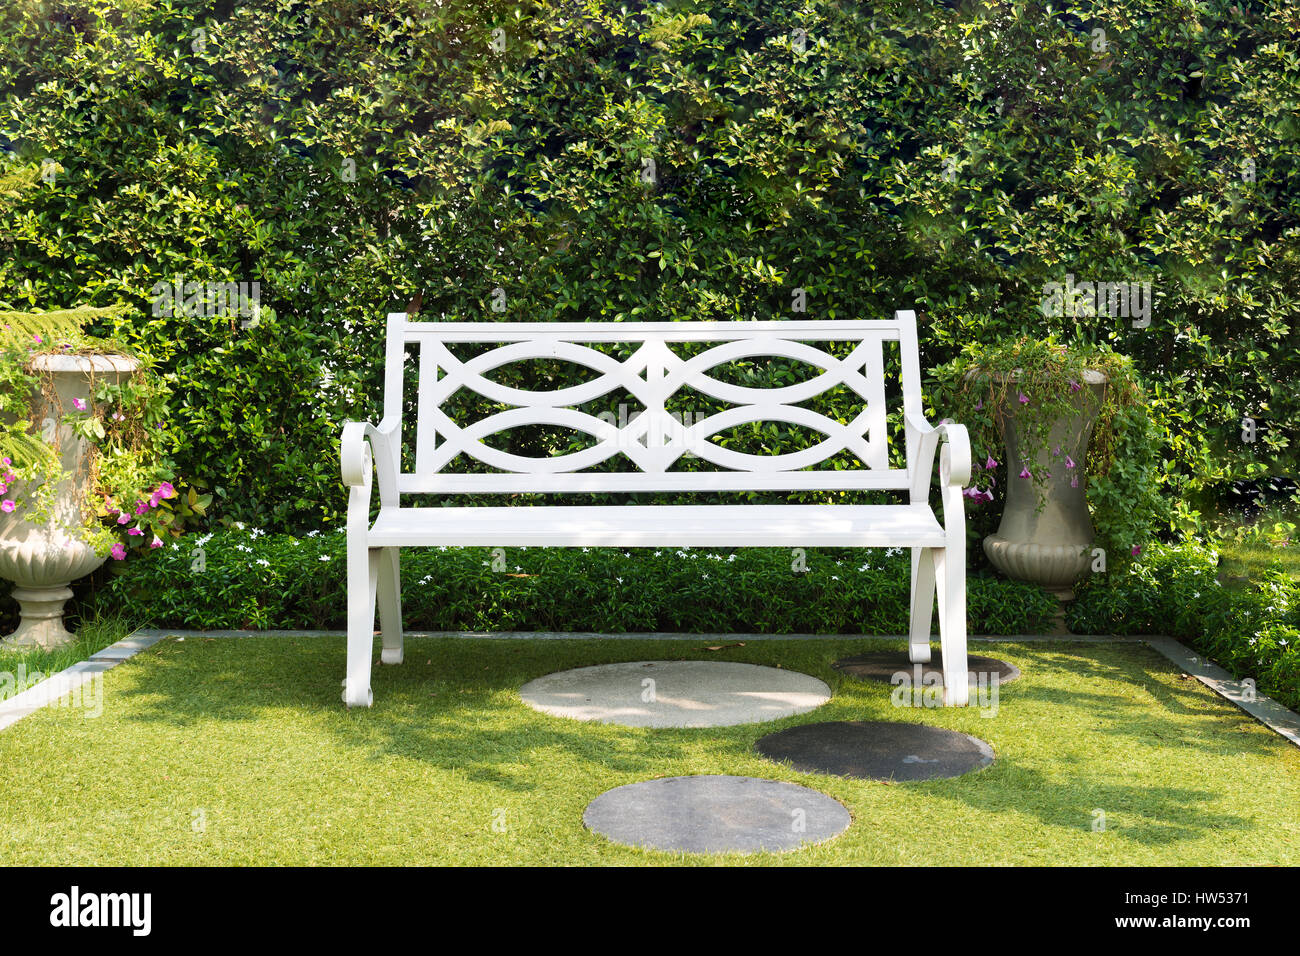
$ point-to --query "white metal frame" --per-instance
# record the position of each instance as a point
(654, 440)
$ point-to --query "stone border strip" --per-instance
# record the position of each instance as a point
(1284, 722)
(70, 680)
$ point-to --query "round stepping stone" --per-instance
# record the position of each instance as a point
(675, 693)
(716, 814)
(883, 665)
(877, 750)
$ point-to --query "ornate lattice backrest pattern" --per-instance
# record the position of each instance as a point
(655, 439)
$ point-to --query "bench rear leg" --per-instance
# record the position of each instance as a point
(363, 572)
(950, 570)
(390, 605)
(918, 647)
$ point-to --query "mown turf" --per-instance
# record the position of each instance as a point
(238, 751)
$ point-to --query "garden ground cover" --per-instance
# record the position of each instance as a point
(238, 751)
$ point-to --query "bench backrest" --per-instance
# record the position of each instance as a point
(655, 439)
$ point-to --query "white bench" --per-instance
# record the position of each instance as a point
(653, 441)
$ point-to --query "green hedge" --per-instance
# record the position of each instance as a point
(253, 580)
(1173, 590)
(950, 157)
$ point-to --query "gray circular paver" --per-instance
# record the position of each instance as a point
(675, 693)
(877, 750)
(716, 814)
(884, 665)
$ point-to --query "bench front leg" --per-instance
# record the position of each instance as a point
(950, 569)
(363, 575)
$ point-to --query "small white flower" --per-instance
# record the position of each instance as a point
(263, 562)
(323, 557)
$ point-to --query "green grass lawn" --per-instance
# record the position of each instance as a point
(238, 751)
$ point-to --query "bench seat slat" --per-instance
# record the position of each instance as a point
(719, 526)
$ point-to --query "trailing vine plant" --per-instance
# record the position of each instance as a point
(1037, 382)
(129, 495)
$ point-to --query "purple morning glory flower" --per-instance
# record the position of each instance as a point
(1024, 473)
(990, 464)
(1074, 386)
(979, 406)
(1023, 398)
(1137, 549)
(1074, 482)
(1069, 462)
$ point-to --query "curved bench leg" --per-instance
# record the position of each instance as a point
(918, 647)
(363, 572)
(390, 605)
(950, 572)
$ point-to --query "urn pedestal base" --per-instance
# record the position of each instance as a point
(42, 621)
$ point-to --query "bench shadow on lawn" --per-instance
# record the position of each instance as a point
(472, 722)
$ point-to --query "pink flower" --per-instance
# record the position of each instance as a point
(123, 518)
(80, 404)
(118, 552)
(7, 506)
(988, 496)
(1069, 462)
(4, 489)
(38, 339)
(135, 531)
(5, 461)
(165, 490)
(1137, 549)
(156, 543)
(990, 464)
(140, 508)
(1023, 398)
(1024, 473)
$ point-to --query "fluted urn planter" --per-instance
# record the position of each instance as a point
(42, 561)
(1051, 546)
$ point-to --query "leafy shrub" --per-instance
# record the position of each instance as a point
(602, 160)
(1173, 590)
(246, 579)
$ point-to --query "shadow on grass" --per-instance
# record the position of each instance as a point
(454, 705)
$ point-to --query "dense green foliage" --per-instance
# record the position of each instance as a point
(1173, 590)
(245, 579)
(594, 160)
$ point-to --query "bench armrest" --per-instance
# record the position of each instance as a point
(362, 442)
(954, 460)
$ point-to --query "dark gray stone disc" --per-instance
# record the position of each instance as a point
(716, 814)
(877, 750)
(884, 665)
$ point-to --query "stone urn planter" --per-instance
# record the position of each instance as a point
(1051, 546)
(42, 561)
